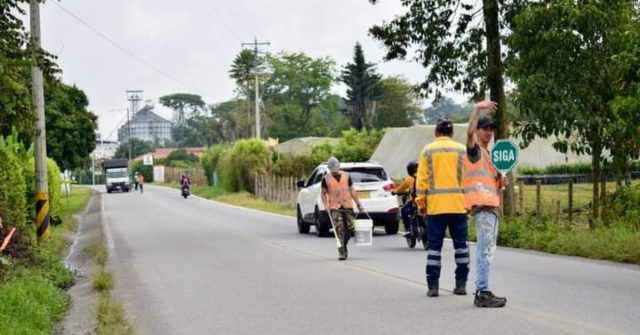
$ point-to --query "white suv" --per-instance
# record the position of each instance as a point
(373, 186)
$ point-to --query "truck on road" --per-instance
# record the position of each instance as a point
(116, 172)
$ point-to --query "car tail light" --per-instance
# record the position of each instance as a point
(389, 187)
(393, 210)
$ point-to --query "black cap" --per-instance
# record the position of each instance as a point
(444, 123)
(486, 122)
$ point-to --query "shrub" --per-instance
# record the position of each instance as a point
(210, 160)
(292, 165)
(13, 203)
(146, 170)
(356, 146)
(321, 153)
(181, 158)
(239, 165)
(577, 168)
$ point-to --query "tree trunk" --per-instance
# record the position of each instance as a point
(495, 81)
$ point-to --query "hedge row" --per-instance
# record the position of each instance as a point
(237, 164)
(577, 168)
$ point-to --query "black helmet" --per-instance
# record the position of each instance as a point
(412, 167)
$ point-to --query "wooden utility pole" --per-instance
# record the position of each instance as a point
(256, 51)
(40, 141)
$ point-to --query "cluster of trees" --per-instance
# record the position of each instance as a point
(70, 125)
(574, 66)
(296, 100)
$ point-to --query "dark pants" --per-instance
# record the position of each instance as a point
(436, 226)
(405, 213)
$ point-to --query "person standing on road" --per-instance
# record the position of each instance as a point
(140, 180)
(440, 197)
(338, 196)
(482, 200)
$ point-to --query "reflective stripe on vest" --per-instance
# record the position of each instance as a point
(338, 192)
(432, 182)
(480, 182)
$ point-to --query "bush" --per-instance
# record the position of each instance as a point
(181, 159)
(146, 170)
(210, 160)
(356, 146)
(13, 203)
(292, 165)
(321, 153)
(577, 168)
(239, 165)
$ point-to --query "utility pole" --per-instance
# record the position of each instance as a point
(40, 144)
(134, 96)
(256, 51)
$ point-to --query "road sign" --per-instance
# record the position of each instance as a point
(504, 155)
(148, 160)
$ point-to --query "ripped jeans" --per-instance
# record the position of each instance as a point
(486, 223)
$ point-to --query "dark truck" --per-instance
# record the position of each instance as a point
(116, 175)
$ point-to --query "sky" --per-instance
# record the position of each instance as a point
(164, 46)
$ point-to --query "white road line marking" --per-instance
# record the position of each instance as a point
(105, 226)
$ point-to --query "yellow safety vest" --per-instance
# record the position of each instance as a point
(440, 184)
(338, 192)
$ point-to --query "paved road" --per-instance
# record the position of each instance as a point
(200, 267)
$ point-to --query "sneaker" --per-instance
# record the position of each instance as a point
(487, 299)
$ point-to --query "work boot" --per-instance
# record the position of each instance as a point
(433, 289)
(487, 299)
(342, 253)
(461, 287)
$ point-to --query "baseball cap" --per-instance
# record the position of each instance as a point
(486, 122)
(444, 123)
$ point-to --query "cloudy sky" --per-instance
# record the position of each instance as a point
(169, 46)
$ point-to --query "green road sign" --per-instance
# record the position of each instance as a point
(504, 155)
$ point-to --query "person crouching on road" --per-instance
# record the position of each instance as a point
(408, 185)
(338, 196)
(482, 200)
(440, 197)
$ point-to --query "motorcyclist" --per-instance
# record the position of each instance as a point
(185, 182)
(408, 186)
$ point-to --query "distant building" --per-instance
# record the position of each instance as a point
(146, 125)
(104, 150)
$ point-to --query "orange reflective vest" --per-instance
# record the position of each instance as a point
(480, 185)
(338, 192)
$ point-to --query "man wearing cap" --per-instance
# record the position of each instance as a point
(338, 197)
(440, 196)
(482, 200)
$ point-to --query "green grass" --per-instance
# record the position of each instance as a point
(32, 299)
(102, 280)
(111, 318)
(245, 199)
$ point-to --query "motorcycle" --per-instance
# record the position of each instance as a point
(417, 226)
(185, 190)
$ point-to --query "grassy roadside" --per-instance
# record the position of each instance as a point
(32, 297)
(110, 315)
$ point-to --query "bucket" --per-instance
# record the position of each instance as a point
(363, 232)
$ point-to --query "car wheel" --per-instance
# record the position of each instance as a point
(303, 227)
(322, 227)
(391, 227)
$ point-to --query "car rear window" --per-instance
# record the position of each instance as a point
(366, 174)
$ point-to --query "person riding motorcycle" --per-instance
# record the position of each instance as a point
(408, 185)
(185, 182)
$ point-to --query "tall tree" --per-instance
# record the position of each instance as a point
(565, 74)
(184, 105)
(460, 46)
(363, 89)
(398, 105)
(70, 125)
(138, 147)
(298, 84)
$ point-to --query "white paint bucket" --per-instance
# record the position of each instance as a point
(363, 232)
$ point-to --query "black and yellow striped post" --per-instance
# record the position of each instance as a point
(43, 228)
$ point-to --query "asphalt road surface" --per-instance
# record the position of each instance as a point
(199, 267)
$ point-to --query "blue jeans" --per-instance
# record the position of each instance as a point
(436, 226)
(487, 231)
(405, 213)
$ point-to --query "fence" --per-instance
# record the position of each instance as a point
(276, 189)
(175, 174)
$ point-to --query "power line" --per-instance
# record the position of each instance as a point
(220, 18)
(114, 43)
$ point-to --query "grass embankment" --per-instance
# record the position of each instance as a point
(32, 299)
(110, 316)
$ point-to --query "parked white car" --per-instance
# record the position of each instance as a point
(373, 186)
